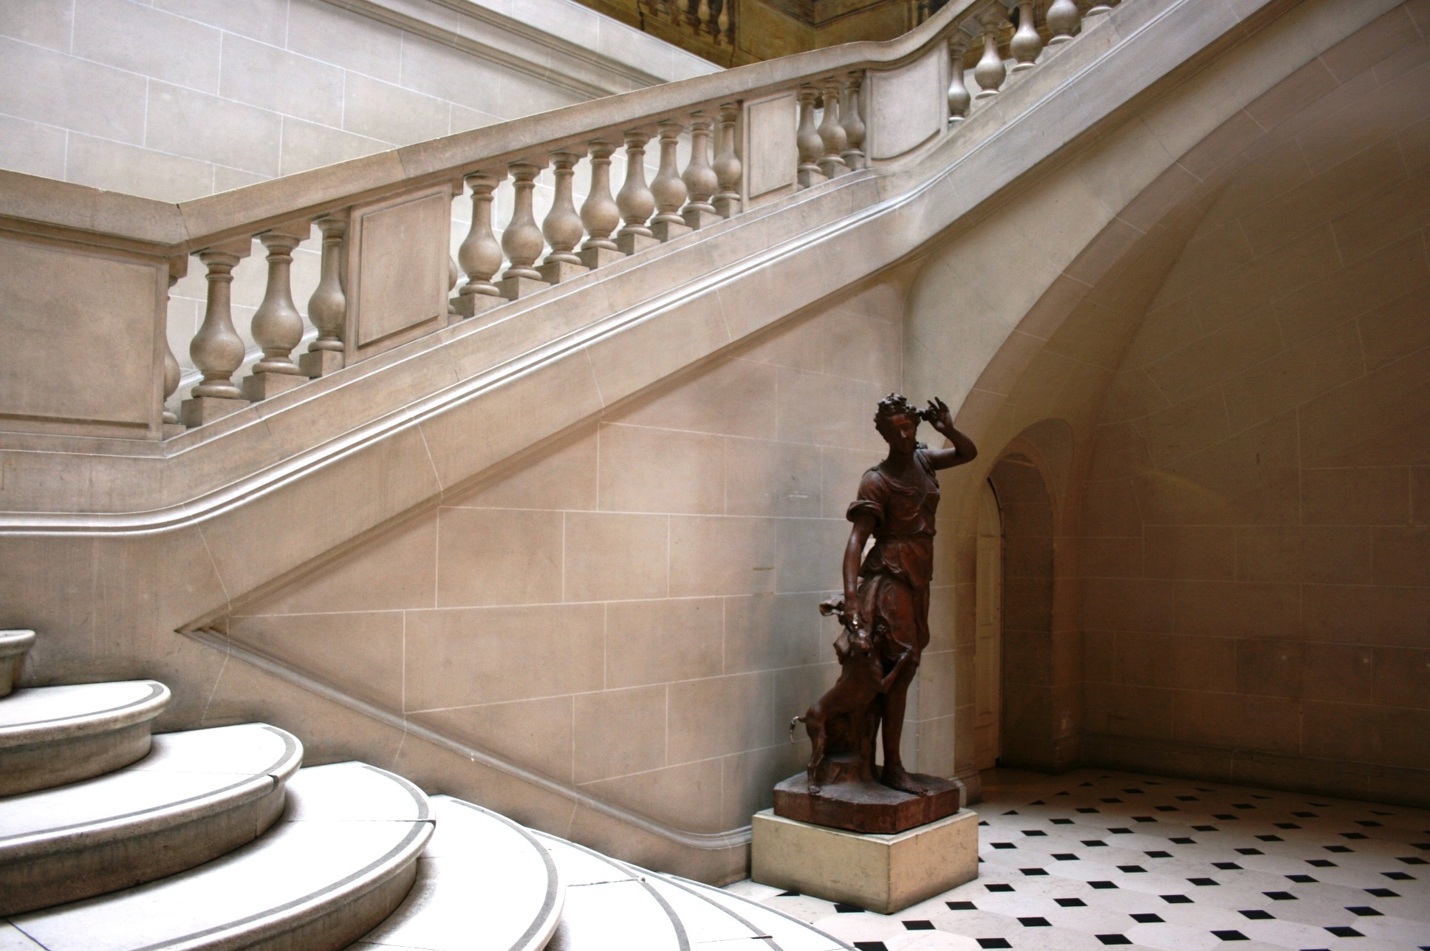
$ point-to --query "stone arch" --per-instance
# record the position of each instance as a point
(1038, 670)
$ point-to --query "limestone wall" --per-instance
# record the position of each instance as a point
(1256, 548)
(631, 610)
(1236, 355)
(179, 98)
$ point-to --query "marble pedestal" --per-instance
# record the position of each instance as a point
(883, 873)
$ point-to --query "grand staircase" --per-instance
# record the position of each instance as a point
(113, 838)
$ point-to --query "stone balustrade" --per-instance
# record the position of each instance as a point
(689, 156)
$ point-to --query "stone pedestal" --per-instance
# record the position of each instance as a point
(636, 243)
(318, 363)
(883, 873)
(697, 218)
(206, 409)
(515, 288)
(260, 386)
(554, 272)
(600, 257)
(669, 230)
(470, 305)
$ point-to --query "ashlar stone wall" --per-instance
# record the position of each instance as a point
(1256, 549)
(177, 99)
(632, 610)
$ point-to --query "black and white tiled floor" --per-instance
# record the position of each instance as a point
(1094, 859)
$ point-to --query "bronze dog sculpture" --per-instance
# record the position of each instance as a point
(845, 719)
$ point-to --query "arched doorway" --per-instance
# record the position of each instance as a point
(1031, 699)
(988, 601)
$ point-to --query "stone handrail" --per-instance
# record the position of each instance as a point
(753, 136)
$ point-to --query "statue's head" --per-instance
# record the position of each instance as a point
(892, 412)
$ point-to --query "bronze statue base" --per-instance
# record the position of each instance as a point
(862, 806)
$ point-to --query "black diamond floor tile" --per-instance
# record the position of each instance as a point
(1039, 911)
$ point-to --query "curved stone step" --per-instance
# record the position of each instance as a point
(196, 796)
(343, 856)
(780, 930)
(55, 735)
(14, 645)
(481, 871)
(606, 902)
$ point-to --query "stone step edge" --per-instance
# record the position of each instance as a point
(83, 722)
(105, 854)
(310, 921)
(59, 750)
(14, 645)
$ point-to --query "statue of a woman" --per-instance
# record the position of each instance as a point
(886, 592)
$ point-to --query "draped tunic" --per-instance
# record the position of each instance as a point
(895, 575)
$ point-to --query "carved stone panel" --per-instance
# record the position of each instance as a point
(80, 339)
(907, 107)
(771, 154)
(398, 273)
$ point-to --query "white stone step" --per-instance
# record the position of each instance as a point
(195, 796)
(55, 735)
(789, 934)
(343, 856)
(484, 881)
(609, 906)
(14, 645)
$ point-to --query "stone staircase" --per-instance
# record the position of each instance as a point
(113, 838)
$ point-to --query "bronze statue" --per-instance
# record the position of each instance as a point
(885, 616)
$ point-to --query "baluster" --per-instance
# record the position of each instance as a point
(959, 98)
(1026, 43)
(277, 325)
(599, 213)
(811, 146)
(327, 308)
(177, 267)
(725, 33)
(853, 124)
(216, 349)
(831, 133)
(563, 228)
(727, 163)
(453, 314)
(702, 15)
(480, 255)
(1063, 19)
(522, 240)
(700, 179)
(1097, 10)
(990, 71)
(668, 187)
(635, 199)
